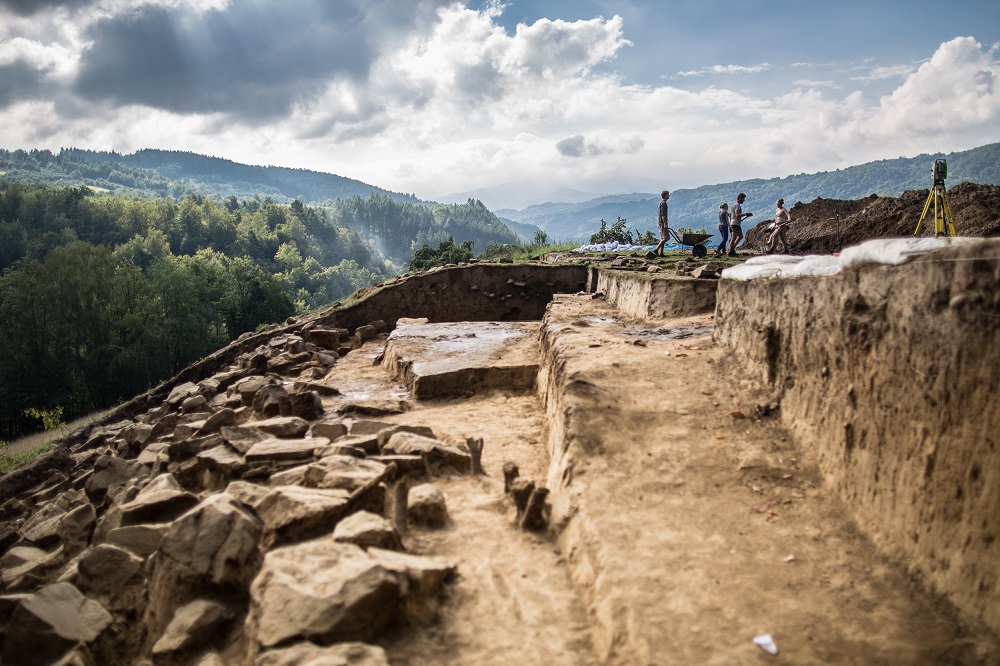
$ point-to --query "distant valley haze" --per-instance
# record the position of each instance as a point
(514, 103)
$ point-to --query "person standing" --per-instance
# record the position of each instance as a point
(781, 219)
(723, 229)
(736, 217)
(661, 222)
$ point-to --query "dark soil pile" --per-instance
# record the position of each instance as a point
(825, 226)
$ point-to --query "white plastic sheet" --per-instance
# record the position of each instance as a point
(886, 251)
(894, 251)
(614, 246)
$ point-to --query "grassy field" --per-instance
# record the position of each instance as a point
(27, 448)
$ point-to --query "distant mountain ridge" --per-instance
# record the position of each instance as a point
(177, 174)
(219, 174)
(699, 207)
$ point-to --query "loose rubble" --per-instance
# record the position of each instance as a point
(237, 522)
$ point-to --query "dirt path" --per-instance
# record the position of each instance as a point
(710, 526)
(513, 601)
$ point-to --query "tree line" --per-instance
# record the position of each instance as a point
(103, 297)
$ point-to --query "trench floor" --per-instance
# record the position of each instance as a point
(688, 524)
(513, 600)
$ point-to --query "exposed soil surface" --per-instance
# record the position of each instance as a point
(710, 525)
(694, 525)
(513, 601)
(825, 226)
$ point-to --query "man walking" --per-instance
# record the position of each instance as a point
(736, 217)
(661, 222)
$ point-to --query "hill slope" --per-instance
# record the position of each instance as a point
(700, 206)
(824, 226)
(155, 173)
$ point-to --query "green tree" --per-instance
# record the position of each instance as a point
(617, 232)
(252, 298)
(447, 253)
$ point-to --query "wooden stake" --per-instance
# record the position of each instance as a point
(534, 518)
(400, 498)
(476, 454)
(510, 472)
(520, 491)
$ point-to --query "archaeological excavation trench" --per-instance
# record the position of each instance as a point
(671, 468)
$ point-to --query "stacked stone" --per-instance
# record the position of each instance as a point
(235, 523)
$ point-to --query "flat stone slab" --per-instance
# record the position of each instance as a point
(449, 359)
(285, 449)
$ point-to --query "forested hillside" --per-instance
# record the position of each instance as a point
(157, 173)
(700, 206)
(162, 173)
(102, 297)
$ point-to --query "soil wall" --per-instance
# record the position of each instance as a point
(891, 375)
(477, 292)
(655, 296)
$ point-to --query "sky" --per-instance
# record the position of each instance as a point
(512, 102)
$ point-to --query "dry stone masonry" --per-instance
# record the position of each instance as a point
(237, 522)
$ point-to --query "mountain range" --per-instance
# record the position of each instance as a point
(177, 174)
(699, 207)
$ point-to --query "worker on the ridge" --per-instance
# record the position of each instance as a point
(661, 221)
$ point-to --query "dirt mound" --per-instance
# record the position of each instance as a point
(824, 226)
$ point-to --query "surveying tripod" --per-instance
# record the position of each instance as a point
(944, 223)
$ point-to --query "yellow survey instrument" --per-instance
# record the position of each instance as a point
(944, 223)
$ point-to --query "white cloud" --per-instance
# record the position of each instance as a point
(957, 92)
(452, 102)
(41, 56)
(883, 73)
(727, 69)
(833, 85)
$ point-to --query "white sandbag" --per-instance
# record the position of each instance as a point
(746, 271)
(767, 259)
(814, 264)
(894, 251)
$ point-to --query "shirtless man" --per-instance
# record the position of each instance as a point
(781, 219)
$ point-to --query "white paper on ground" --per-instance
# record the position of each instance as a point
(766, 643)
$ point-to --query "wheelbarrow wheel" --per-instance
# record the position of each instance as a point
(699, 251)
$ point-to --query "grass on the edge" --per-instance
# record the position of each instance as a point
(27, 448)
(9, 462)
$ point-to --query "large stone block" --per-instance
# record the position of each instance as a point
(437, 452)
(292, 513)
(159, 502)
(51, 623)
(321, 591)
(193, 625)
(285, 449)
(367, 530)
(217, 540)
(310, 654)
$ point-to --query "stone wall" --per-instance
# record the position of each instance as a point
(891, 376)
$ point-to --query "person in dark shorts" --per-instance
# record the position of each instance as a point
(781, 219)
(661, 222)
(736, 217)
